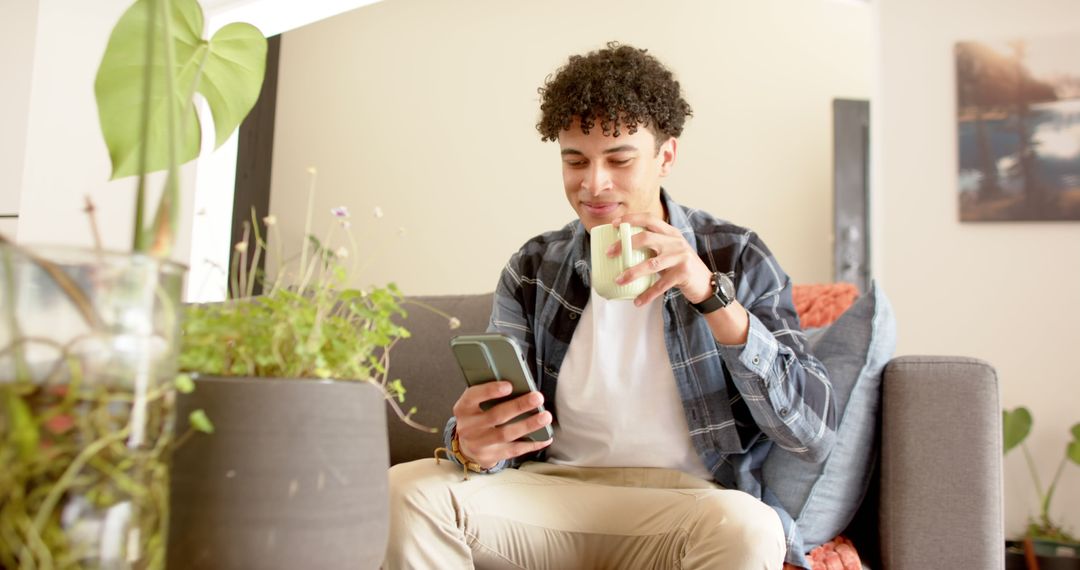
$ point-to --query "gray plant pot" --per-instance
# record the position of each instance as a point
(294, 476)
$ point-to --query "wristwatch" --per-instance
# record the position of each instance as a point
(723, 294)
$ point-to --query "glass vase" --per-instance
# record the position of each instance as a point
(88, 344)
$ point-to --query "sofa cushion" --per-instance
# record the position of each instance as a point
(427, 369)
(824, 497)
(819, 305)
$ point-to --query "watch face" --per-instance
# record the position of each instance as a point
(725, 287)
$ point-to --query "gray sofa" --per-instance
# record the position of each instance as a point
(936, 500)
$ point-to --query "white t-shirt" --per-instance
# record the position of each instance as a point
(617, 400)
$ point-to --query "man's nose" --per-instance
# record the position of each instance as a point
(596, 180)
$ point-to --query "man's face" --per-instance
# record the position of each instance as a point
(606, 177)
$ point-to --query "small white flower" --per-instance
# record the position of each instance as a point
(378, 213)
(342, 253)
(241, 247)
(454, 323)
(270, 220)
(340, 212)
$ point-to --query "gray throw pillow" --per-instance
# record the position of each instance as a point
(823, 497)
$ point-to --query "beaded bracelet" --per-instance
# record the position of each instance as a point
(466, 463)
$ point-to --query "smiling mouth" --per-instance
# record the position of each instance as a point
(600, 207)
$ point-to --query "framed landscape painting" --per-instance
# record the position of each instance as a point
(1018, 125)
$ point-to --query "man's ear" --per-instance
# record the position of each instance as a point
(667, 154)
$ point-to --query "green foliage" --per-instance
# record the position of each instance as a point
(1047, 530)
(308, 324)
(64, 444)
(1073, 450)
(324, 333)
(184, 384)
(1016, 425)
(200, 422)
(227, 70)
(155, 63)
(23, 429)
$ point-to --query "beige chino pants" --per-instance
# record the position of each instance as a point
(559, 517)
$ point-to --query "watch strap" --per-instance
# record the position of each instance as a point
(715, 301)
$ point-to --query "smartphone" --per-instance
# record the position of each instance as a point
(489, 357)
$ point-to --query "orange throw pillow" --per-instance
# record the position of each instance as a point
(837, 554)
(820, 304)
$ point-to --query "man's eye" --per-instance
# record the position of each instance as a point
(575, 163)
(621, 161)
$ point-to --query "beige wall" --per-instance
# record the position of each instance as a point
(17, 31)
(426, 109)
(1009, 293)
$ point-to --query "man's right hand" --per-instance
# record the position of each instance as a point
(485, 437)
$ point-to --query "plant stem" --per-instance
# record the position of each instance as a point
(183, 439)
(279, 262)
(431, 308)
(170, 314)
(22, 367)
(1034, 472)
(65, 480)
(307, 271)
(384, 362)
(123, 481)
(405, 417)
(21, 340)
(307, 222)
(234, 280)
(8, 533)
(1050, 492)
(242, 283)
(37, 545)
(165, 229)
(89, 209)
(259, 246)
(140, 241)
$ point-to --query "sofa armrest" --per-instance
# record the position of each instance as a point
(941, 481)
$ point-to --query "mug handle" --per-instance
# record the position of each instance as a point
(624, 235)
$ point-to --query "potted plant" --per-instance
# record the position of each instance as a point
(88, 338)
(295, 382)
(1049, 538)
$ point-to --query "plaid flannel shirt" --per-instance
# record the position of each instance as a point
(739, 400)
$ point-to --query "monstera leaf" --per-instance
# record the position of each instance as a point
(1016, 425)
(1074, 445)
(226, 69)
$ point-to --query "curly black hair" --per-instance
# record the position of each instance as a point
(621, 86)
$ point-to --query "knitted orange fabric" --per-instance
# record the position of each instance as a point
(837, 554)
(820, 304)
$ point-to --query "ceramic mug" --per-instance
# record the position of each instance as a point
(605, 269)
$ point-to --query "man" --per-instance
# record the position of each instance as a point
(665, 407)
